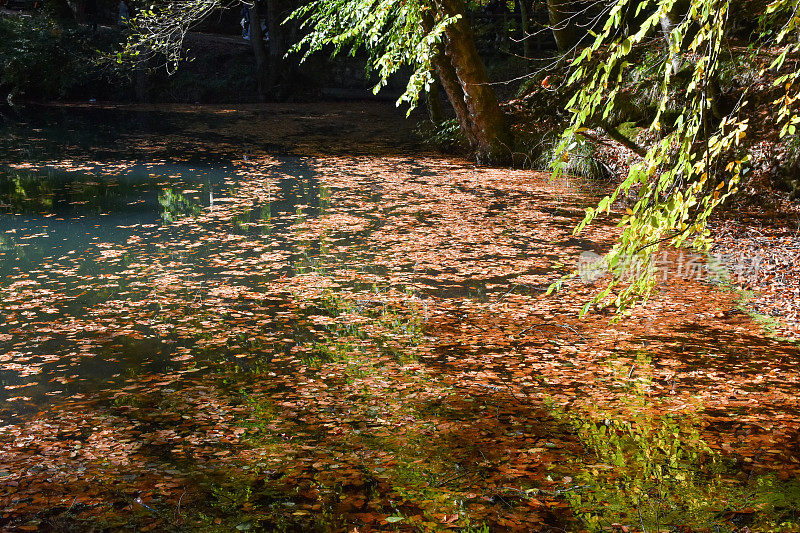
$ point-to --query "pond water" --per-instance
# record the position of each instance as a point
(87, 239)
(292, 318)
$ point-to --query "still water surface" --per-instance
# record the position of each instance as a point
(91, 221)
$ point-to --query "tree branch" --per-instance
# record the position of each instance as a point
(615, 134)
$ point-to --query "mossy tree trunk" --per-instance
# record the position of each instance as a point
(466, 83)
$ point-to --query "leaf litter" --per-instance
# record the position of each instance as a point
(350, 339)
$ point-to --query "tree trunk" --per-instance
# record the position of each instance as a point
(668, 23)
(140, 81)
(433, 104)
(59, 10)
(473, 99)
(259, 51)
(562, 24)
(280, 71)
(452, 87)
(526, 36)
(451, 84)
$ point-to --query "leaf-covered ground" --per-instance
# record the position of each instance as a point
(288, 318)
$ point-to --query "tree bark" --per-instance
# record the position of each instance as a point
(562, 24)
(259, 51)
(451, 85)
(433, 104)
(282, 74)
(475, 103)
(526, 36)
(667, 25)
(276, 46)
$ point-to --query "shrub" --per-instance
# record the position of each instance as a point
(43, 59)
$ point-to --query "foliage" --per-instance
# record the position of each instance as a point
(175, 205)
(653, 471)
(347, 324)
(391, 31)
(785, 12)
(445, 136)
(42, 58)
(160, 30)
(649, 471)
(583, 160)
(25, 193)
(696, 161)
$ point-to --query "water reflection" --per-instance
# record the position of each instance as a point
(384, 322)
(650, 470)
(47, 213)
(108, 268)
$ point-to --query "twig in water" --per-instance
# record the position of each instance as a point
(639, 511)
(140, 502)
(452, 478)
(176, 516)
(508, 292)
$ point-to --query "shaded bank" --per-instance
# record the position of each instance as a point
(44, 60)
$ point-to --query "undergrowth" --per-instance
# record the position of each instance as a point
(44, 59)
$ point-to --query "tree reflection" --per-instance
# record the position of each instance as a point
(651, 471)
(23, 192)
(175, 206)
